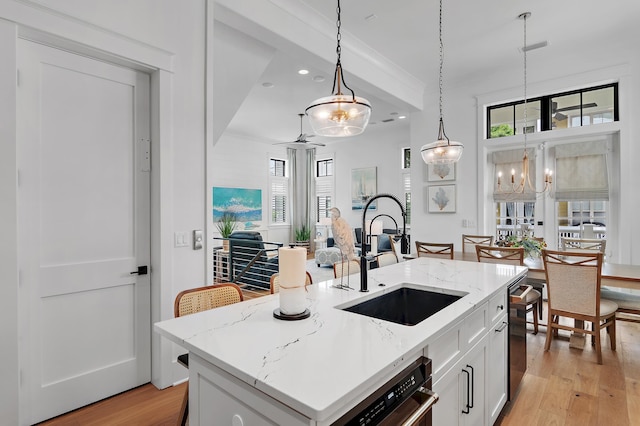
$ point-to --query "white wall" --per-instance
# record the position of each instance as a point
(239, 162)
(378, 147)
(141, 32)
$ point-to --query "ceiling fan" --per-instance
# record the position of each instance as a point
(557, 114)
(302, 138)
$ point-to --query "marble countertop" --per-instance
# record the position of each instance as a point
(316, 365)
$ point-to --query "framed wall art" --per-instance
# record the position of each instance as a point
(441, 198)
(244, 204)
(363, 186)
(441, 172)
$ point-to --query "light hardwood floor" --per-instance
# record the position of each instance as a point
(561, 387)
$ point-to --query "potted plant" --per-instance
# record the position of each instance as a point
(303, 235)
(226, 225)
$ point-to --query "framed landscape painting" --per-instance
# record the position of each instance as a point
(245, 204)
(363, 187)
(441, 198)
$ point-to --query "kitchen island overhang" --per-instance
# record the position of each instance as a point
(324, 364)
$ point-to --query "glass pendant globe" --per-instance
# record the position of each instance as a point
(339, 115)
(442, 152)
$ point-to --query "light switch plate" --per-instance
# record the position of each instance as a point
(197, 239)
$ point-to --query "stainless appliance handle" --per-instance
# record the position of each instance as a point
(423, 408)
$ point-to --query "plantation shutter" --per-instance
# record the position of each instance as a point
(279, 201)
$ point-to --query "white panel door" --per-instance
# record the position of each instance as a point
(84, 227)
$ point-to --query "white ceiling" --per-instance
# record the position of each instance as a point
(478, 37)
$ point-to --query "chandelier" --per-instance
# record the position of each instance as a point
(339, 115)
(524, 184)
(443, 150)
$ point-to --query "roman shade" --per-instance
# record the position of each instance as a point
(581, 171)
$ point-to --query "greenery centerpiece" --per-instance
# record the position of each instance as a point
(226, 225)
(303, 235)
(532, 246)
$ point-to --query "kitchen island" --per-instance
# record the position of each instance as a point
(314, 370)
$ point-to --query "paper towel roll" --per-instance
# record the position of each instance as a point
(292, 276)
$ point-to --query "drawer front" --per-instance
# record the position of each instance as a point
(445, 351)
(475, 326)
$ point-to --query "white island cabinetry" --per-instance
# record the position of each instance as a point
(248, 368)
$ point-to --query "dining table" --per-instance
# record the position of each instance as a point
(613, 275)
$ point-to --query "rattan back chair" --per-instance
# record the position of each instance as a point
(274, 283)
(204, 298)
(573, 286)
(197, 300)
(444, 250)
(469, 241)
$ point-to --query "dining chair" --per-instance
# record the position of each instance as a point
(512, 256)
(200, 299)
(583, 244)
(344, 268)
(573, 286)
(274, 282)
(444, 250)
(469, 241)
(385, 259)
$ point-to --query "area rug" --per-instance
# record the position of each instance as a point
(319, 273)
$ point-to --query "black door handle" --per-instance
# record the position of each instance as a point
(142, 270)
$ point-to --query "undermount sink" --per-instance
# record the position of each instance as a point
(405, 305)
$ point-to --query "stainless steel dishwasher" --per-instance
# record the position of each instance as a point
(404, 400)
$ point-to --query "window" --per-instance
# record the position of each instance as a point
(324, 168)
(406, 190)
(511, 215)
(324, 187)
(582, 188)
(584, 107)
(406, 158)
(279, 186)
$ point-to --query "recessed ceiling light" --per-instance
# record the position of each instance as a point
(267, 85)
(393, 113)
(388, 120)
(318, 79)
(303, 72)
(402, 117)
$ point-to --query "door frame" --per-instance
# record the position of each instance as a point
(158, 64)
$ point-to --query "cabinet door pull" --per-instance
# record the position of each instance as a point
(473, 373)
(468, 385)
(502, 327)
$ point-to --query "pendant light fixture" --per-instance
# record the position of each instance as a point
(442, 151)
(339, 115)
(524, 185)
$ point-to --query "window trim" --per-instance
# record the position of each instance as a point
(545, 103)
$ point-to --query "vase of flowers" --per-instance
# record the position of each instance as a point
(226, 225)
(532, 246)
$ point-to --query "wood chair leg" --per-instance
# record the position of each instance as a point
(547, 342)
(598, 346)
(612, 333)
(535, 319)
